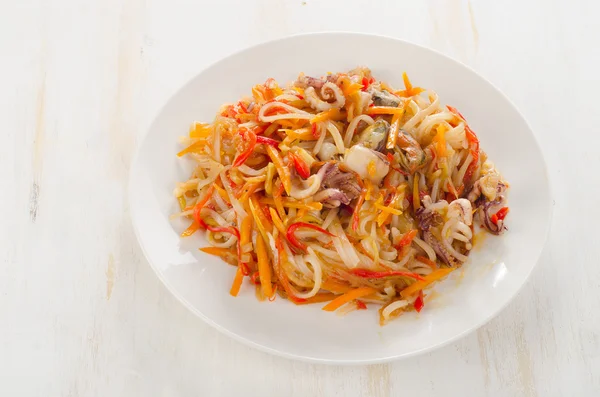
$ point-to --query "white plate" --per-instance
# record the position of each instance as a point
(472, 296)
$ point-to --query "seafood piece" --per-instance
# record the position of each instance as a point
(335, 178)
(412, 157)
(384, 98)
(367, 163)
(329, 91)
(375, 135)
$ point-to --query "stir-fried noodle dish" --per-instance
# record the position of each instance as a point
(341, 190)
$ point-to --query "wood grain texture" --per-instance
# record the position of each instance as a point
(82, 313)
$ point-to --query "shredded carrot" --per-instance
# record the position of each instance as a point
(222, 192)
(194, 147)
(278, 203)
(246, 231)
(319, 298)
(385, 110)
(292, 203)
(237, 282)
(262, 223)
(248, 189)
(440, 141)
(416, 198)
(200, 130)
(409, 89)
(430, 278)
(264, 269)
(426, 261)
(284, 172)
(218, 251)
(349, 87)
(277, 221)
(347, 297)
(191, 229)
(335, 286)
(331, 114)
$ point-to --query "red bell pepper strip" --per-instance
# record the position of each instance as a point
(315, 131)
(365, 273)
(419, 302)
(267, 141)
(242, 157)
(294, 226)
(361, 305)
(500, 215)
(407, 239)
(243, 107)
(366, 83)
(300, 165)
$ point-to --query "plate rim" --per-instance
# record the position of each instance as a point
(345, 362)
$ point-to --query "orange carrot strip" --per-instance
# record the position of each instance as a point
(284, 172)
(386, 110)
(430, 278)
(264, 270)
(222, 192)
(193, 147)
(316, 299)
(237, 282)
(191, 229)
(426, 261)
(416, 198)
(336, 287)
(331, 114)
(347, 297)
(199, 130)
(218, 251)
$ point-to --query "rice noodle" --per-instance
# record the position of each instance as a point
(317, 274)
(294, 113)
(422, 113)
(389, 309)
(426, 247)
(343, 246)
(337, 138)
(329, 218)
(463, 170)
(448, 241)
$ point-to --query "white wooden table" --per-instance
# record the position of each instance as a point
(82, 313)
